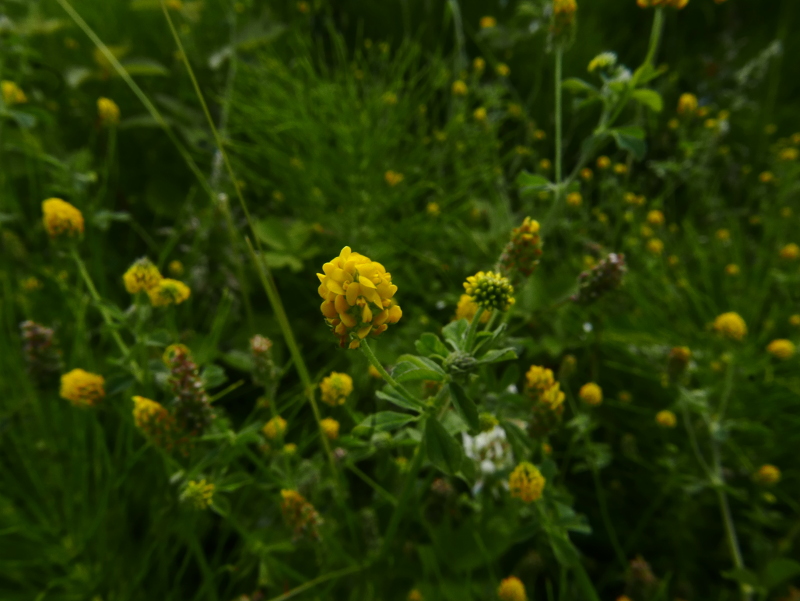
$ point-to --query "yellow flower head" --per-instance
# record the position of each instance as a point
(603, 162)
(290, 448)
(141, 276)
(503, 70)
(108, 111)
(12, 94)
(666, 419)
(526, 482)
(625, 396)
(723, 235)
(82, 388)
(168, 292)
(620, 168)
(336, 388)
(687, 104)
(731, 325)
(467, 308)
(389, 98)
(586, 174)
(655, 217)
(766, 177)
(275, 428)
(574, 199)
(480, 114)
(299, 514)
(61, 218)
(781, 348)
(488, 22)
(479, 64)
(511, 589)
(767, 475)
(330, 427)
(490, 290)
(732, 269)
(175, 268)
(794, 320)
(788, 154)
(542, 386)
(358, 297)
(198, 493)
(604, 60)
(393, 178)
(433, 209)
(591, 394)
(655, 246)
(790, 252)
(460, 88)
(154, 421)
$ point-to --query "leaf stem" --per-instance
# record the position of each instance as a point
(366, 349)
(472, 331)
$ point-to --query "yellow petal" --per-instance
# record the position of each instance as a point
(366, 282)
(381, 318)
(340, 275)
(353, 292)
(328, 309)
(334, 286)
(321, 277)
(395, 313)
(346, 252)
(328, 268)
(366, 315)
(341, 305)
(348, 320)
(364, 332)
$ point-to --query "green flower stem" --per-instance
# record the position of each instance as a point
(559, 150)
(370, 355)
(473, 329)
(98, 301)
(319, 580)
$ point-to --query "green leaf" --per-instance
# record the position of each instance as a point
(405, 371)
(454, 333)
(444, 451)
(430, 345)
(649, 98)
(529, 182)
(574, 84)
(743, 576)
(422, 363)
(144, 66)
(629, 139)
(213, 376)
(383, 421)
(464, 406)
(779, 570)
(393, 396)
(498, 355)
(563, 549)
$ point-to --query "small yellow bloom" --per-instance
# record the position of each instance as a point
(620, 168)
(603, 162)
(655, 217)
(732, 269)
(666, 419)
(12, 93)
(788, 154)
(574, 199)
(480, 114)
(795, 320)
(781, 348)
(673, 260)
(275, 428)
(154, 421)
(82, 388)
(415, 595)
(646, 231)
(526, 482)
(290, 448)
(141, 276)
(503, 70)
(673, 123)
(731, 325)
(591, 394)
(511, 589)
(393, 178)
(711, 124)
(687, 104)
(389, 98)
(303, 7)
(543, 388)
(467, 308)
(336, 388)
(655, 246)
(198, 493)
(488, 22)
(175, 268)
(330, 427)
(108, 111)
(479, 64)
(31, 284)
(586, 174)
(602, 61)
(766, 177)
(490, 290)
(460, 88)
(723, 235)
(515, 110)
(168, 292)
(433, 209)
(61, 218)
(702, 112)
(767, 475)
(790, 252)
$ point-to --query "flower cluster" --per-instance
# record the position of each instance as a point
(522, 252)
(604, 60)
(192, 408)
(666, 419)
(300, 515)
(41, 353)
(526, 482)
(198, 493)
(12, 93)
(605, 276)
(731, 325)
(467, 308)
(275, 428)
(168, 292)
(676, 4)
(490, 291)
(511, 589)
(61, 218)
(155, 422)
(330, 427)
(141, 276)
(562, 26)
(82, 388)
(336, 388)
(767, 475)
(687, 104)
(548, 400)
(678, 361)
(591, 394)
(781, 349)
(108, 111)
(358, 297)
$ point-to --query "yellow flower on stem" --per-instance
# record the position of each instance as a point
(511, 589)
(460, 88)
(330, 427)
(666, 419)
(168, 292)
(687, 104)
(108, 111)
(198, 493)
(12, 93)
(141, 276)
(61, 218)
(467, 308)
(490, 290)
(82, 388)
(790, 252)
(781, 349)
(526, 482)
(488, 22)
(275, 428)
(393, 178)
(336, 388)
(731, 325)
(591, 394)
(358, 297)
(767, 475)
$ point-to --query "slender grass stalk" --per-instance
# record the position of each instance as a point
(609, 525)
(559, 133)
(370, 355)
(319, 580)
